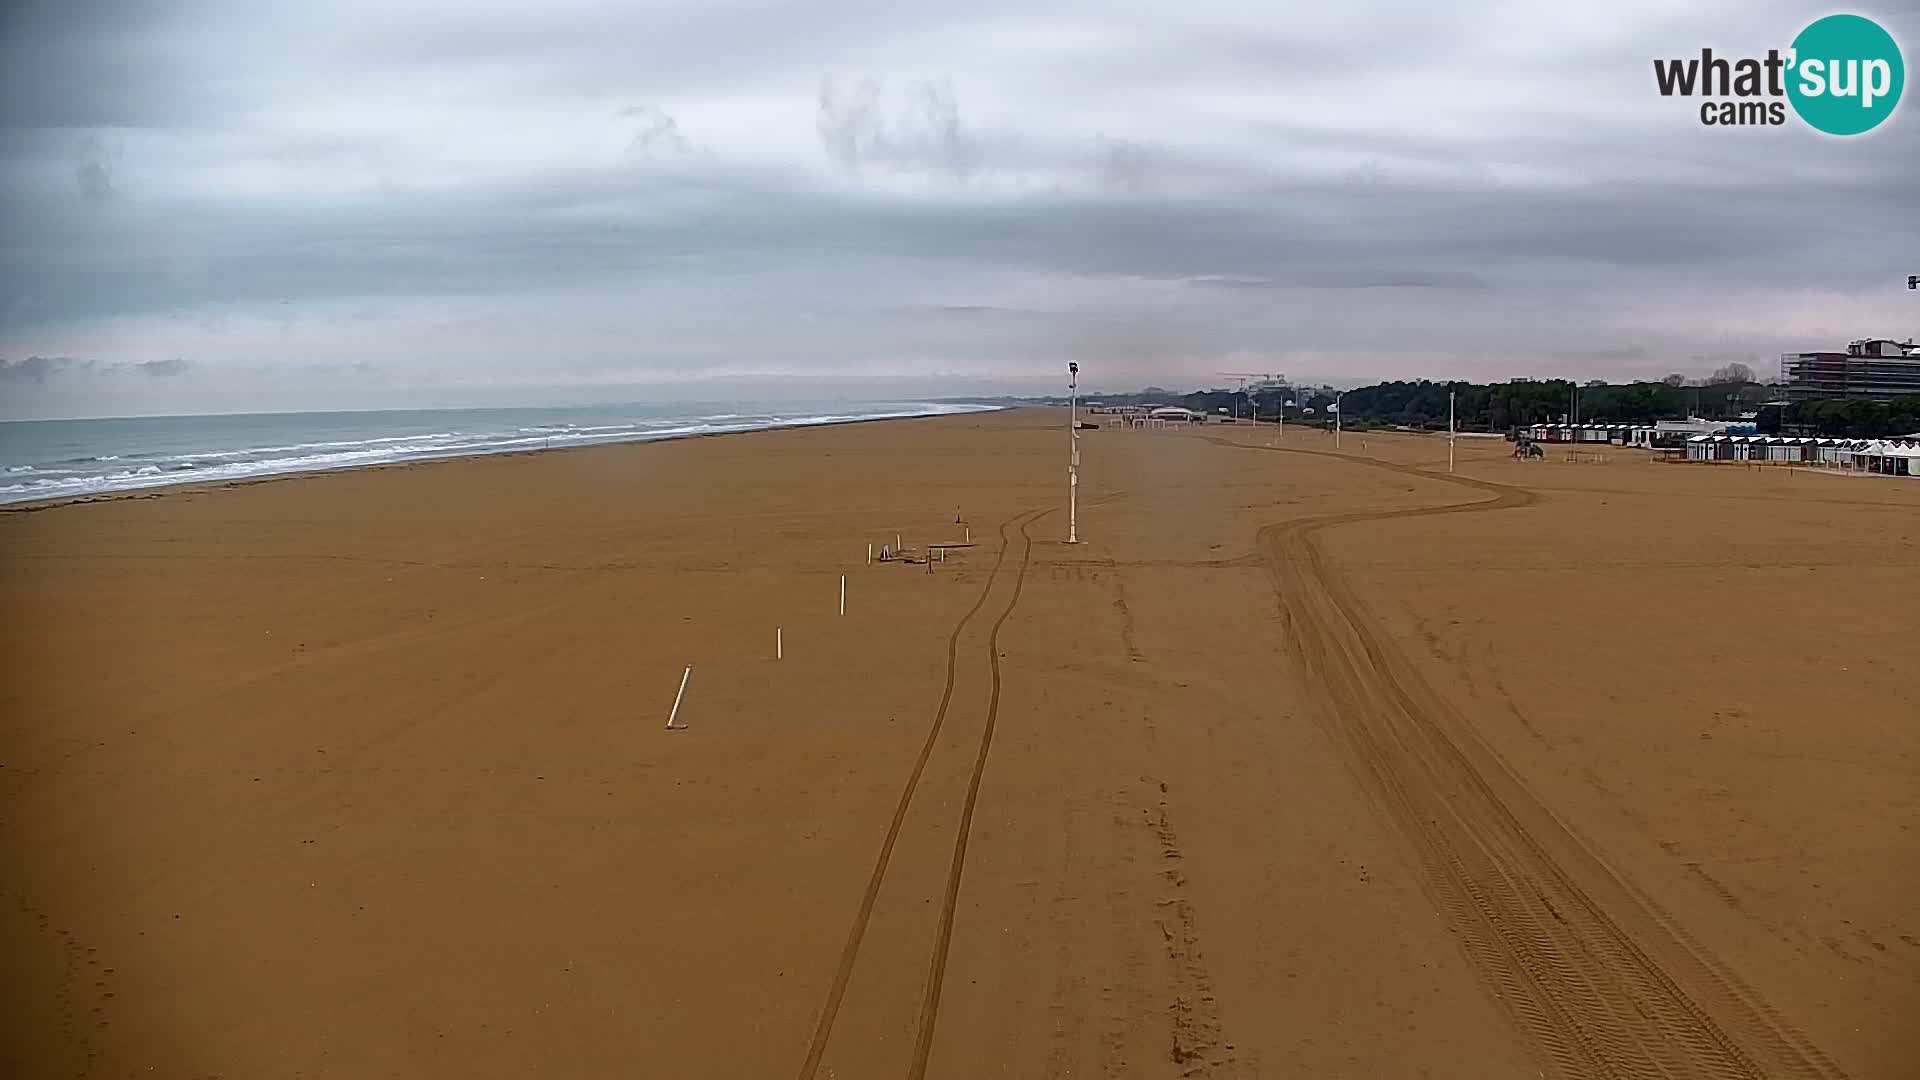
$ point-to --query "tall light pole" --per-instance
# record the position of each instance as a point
(1073, 453)
(1338, 415)
(1450, 429)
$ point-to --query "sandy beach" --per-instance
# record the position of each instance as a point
(1305, 763)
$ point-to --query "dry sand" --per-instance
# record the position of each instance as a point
(1303, 764)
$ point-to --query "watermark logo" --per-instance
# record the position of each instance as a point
(1850, 75)
(1842, 75)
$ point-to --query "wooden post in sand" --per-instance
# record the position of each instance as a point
(779, 645)
(843, 594)
(671, 726)
(869, 554)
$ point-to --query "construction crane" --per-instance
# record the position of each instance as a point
(1257, 377)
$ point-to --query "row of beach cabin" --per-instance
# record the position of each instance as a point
(1888, 457)
(1644, 436)
(1599, 434)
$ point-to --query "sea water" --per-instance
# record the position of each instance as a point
(49, 459)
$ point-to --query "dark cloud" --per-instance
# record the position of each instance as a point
(33, 368)
(103, 63)
(586, 230)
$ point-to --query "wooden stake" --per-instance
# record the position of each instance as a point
(671, 726)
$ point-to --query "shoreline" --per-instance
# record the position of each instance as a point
(151, 491)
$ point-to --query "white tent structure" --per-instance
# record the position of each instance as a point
(1887, 457)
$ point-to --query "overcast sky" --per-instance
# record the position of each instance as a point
(248, 205)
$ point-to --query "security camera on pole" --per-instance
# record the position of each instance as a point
(1073, 454)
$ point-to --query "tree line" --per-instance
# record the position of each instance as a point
(1503, 406)
(1500, 407)
(1846, 419)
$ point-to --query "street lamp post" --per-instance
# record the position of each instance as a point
(1338, 415)
(1073, 453)
(1450, 430)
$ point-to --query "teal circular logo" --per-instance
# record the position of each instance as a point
(1846, 74)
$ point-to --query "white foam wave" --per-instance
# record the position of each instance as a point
(252, 462)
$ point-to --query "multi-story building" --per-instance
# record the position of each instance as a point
(1872, 369)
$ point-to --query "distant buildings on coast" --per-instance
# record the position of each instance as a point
(1872, 369)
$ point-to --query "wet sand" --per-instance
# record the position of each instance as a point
(1305, 763)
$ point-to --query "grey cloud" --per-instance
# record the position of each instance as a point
(40, 368)
(915, 129)
(1123, 164)
(33, 368)
(656, 134)
(1603, 356)
(1331, 276)
(842, 119)
(1333, 235)
(175, 63)
(694, 45)
(161, 369)
(959, 312)
(91, 172)
(81, 65)
(1131, 180)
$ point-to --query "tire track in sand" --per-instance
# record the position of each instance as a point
(937, 968)
(1602, 981)
(843, 974)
